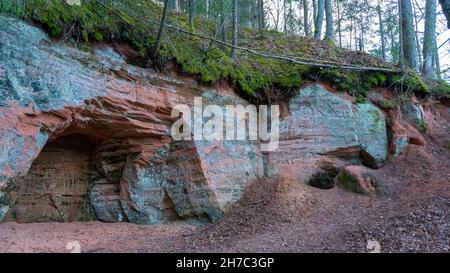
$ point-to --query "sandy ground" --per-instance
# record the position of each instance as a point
(412, 214)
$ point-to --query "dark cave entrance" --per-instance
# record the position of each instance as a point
(324, 178)
(56, 188)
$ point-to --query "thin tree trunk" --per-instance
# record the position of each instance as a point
(173, 4)
(305, 17)
(429, 40)
(339, 22)
(400, 36)
(285, 17)
(446, 10)
(409, 51)
(363, 41)
(314, 3)
(261, 14)
(223, 24)
(161, 29)
(380, 20)
(329, 34)
(319, 20)
(191, 13)
(416, 34)
(437, 63)
(351, 33)
(235, 30)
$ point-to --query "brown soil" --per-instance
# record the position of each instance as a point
(411, 214)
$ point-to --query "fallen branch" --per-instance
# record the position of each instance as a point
(318, 63)
(305, 61)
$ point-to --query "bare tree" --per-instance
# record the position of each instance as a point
(409, 51)
(380, 21)
(329, 34)
(429, 39)
(161, 30)
(319, 20)
(305, 17)
(191, 13)
(235, 30)
(261, 14)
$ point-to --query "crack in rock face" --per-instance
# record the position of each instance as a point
(86, 136)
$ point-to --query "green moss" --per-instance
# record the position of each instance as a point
(388, 104)
(440, 89)
(412, 82)
(360, 99)
(129, 20)
(98, 37)
(85, 35)
(423, 126)
(349, 182)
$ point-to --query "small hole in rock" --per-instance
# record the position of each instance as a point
(323, 179)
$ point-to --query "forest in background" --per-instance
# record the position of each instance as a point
(263, 55)
(374, 26)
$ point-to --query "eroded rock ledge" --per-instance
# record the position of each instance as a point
(86, 136)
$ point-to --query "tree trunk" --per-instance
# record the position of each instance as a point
(305, 17)
(319, 20)
(329, 34)
(235, 30)
(191, 13)
(409, 51)
(223, 24)
(351, 33)
(262, 24)
(339, 23)
(314, 4)
(437, 63)
(161, 29)
(429, 40)
(416, 34)
(383, 44)
(446, 10)
(173, 4)
(285, 17)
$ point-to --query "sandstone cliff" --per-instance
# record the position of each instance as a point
(86, 136)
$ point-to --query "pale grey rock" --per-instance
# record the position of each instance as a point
(372, 133)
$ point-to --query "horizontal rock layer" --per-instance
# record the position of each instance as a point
(52, 93)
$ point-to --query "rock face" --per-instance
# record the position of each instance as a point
(51, 92)
(56, 186)
(323, 127)
(403, 134)
(359, 180)
(84, 135)
(371, 128)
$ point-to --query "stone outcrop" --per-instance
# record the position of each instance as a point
(403, 134)
(84, 135)
(371, 128)
(357, 179)
(49, 91)
(324, 126)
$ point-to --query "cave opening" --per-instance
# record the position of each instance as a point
(324, 179)
(56, 188)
